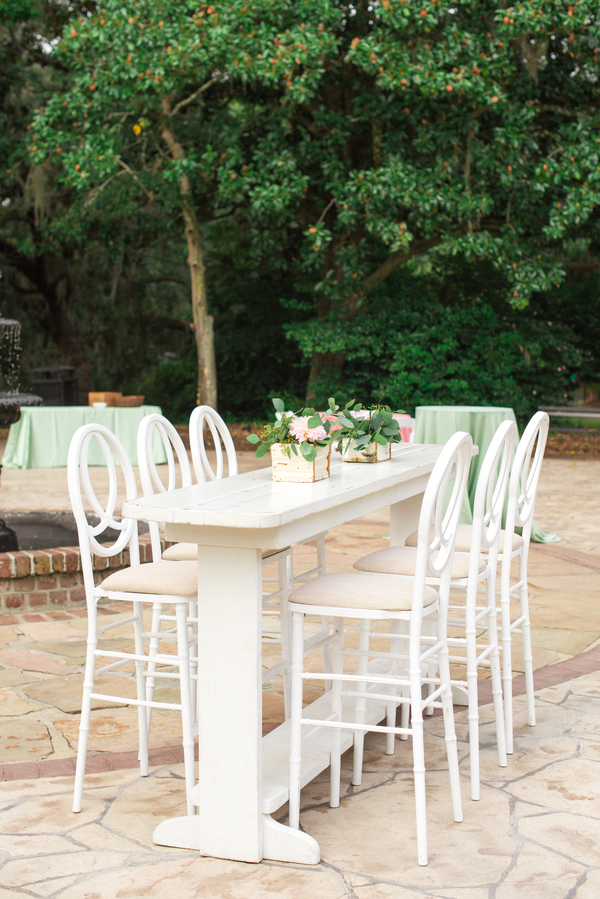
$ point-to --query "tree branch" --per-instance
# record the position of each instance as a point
(193, 96)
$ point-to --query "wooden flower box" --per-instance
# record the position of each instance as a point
(372, 452)
(287, 466)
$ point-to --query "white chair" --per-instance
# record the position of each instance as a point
(522, 490)
(468, 573)
(206, 416)
(179, 474)
(151, 481)
(378, 688)
(152, 582)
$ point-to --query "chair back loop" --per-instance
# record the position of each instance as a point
(152, 428)
(81, 491)
(439, 514)
(220, 434)
(491, 489)
(525, 474)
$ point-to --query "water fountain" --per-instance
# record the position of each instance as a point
(11, 398)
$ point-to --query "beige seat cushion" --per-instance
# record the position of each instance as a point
(464, 534)
(354, 591)
(402, 560)
(166, 578)
(187, 552)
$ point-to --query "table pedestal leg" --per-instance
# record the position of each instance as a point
(404, 519)
(282, 844)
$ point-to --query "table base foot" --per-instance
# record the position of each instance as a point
(282, 844)
(180, 833)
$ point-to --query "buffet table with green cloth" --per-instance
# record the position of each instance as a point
(41, 437)
(436, 424)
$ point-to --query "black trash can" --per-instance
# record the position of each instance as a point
(56, 385)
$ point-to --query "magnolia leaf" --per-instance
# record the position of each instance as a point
(279, 405)
(252, 438)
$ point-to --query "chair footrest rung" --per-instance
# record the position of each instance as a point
(175, 707)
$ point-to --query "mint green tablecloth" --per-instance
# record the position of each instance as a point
(436, 424)
(41, 437)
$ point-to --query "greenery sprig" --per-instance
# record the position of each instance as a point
(297, 432)
(376, 424)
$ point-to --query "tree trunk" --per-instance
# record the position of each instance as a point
(203, 322)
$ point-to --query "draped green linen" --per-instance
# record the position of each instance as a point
(436, 424)
(41, 437)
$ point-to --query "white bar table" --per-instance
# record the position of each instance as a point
(232, 521)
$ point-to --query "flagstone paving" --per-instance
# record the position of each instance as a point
(535, 832)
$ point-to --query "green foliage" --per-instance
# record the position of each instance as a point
(414, 350)
(299, 433)
(361, 426)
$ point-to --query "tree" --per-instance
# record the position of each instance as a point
(348, 138)
(427, 128)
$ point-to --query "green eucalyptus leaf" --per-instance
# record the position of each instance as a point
(308, 451)
(262, 449)
(253, 438)
(381, 440)
(279, 405)
(314, 421)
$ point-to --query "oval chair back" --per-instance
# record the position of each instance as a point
(80, 486)
(159, 426)
(220, 434)
(490, 495)
(525, 475)
(438, 523)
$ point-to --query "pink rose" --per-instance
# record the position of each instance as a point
(300, 430)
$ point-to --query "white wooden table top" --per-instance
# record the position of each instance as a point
(253, 500)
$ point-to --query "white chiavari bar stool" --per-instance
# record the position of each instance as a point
(522, 490)
(470, 572)
(151, 582)
(178, 474)
(370, 597)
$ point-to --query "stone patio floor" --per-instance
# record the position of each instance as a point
(534, 833)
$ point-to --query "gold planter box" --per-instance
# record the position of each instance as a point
(287, 466)
(372, 452)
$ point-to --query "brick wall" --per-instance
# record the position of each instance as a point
(43, 579)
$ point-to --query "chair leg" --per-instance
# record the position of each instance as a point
(449, 728)
(138, 626)
(193, 644)
(526, 634)
(507, 666)
(86, 707)
(361, 703)
(296, 716)
(336, 709)
(419, 767)
(496, 674)
(390, 739)
(473, 707)
(283, 567)
(152, 651)
(322, 566)
(185, 692)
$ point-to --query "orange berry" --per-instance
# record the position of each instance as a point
(73, 32)
(423, 13)
(494, 99)
(449, 87)
(312, 230)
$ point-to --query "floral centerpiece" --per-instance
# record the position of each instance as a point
(365, 435)
(300, 444)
